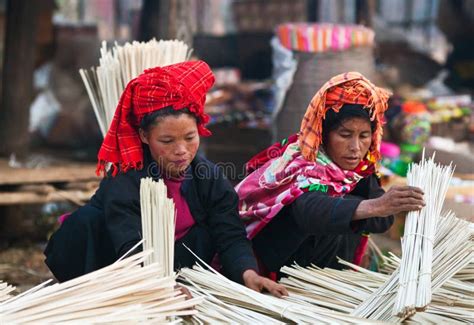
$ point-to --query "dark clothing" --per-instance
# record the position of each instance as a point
(316, 228)
(117, 222)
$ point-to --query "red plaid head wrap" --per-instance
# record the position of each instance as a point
(181, 85)
(346, 88)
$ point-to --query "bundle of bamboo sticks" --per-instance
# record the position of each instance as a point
(453, 251)
(119, 65)
(346, 290)
(122, 292)
(414, 290)
(158, 223)
(227, 297)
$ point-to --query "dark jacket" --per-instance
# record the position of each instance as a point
(211, 200)
(316, 227)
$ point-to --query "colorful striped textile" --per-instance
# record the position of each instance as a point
(306, 37)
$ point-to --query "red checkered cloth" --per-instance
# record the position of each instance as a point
(346, 88)
(181, 85)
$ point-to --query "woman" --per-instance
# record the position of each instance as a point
(310, 198)
(155, 133)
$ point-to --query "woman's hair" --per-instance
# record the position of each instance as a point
(152, 119)
(334, 120)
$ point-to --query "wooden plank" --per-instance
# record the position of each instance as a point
(54, 174)
(20, 46)
(12, 198)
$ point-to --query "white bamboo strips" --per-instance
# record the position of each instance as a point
(119, 65)
(211, 283)
(122, 292)
(372, 294)
(414, 290)
(158, 223)
(453, 252)
(5, 291)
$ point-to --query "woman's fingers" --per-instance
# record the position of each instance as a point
(274, 288)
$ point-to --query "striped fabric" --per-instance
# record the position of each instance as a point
(346, 88)
(181, 85)
(306, 37)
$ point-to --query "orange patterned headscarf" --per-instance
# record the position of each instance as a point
(346, 88)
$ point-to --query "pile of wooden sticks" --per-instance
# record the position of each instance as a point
(122, 292)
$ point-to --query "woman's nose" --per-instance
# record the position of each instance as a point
(354, 145)
(180, 149)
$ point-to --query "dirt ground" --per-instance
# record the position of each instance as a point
(23, 266)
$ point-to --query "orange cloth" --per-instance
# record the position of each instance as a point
(346, 88)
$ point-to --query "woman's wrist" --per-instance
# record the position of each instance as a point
(248, 275)
(366, 209)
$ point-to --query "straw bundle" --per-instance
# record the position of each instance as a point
(119, 65)
(417, 245)
(121, 292)
(158, 223)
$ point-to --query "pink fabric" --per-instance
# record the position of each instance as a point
(63, 217)
(184, 218)
(281, 180)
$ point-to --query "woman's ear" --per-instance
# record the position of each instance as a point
(143, 136)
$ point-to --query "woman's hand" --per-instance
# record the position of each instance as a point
(256, 282)
(397, 199)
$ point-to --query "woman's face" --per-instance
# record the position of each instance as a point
(173, 142)
(349, 143)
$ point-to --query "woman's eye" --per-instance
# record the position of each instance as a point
(166, 141)
(189, 138)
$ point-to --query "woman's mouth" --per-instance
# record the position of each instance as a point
(352, 159)
(180, 162)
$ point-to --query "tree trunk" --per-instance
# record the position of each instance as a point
(20, 48)
(166, 19)
(365, 12)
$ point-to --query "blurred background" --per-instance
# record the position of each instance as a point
(269, 58)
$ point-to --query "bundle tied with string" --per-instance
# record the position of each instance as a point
(420, 226)
(372, 294)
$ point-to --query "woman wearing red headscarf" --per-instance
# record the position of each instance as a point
(155, 133)
(309, 199)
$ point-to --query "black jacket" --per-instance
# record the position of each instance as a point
(317, 222)
(211, 199)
